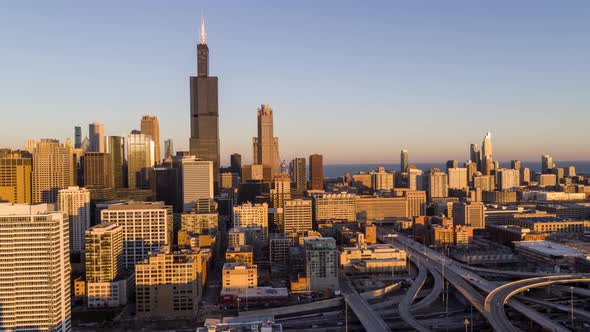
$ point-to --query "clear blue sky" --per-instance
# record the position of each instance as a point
(355, 81)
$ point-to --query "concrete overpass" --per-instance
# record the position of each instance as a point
(494, 303)
(371, 320)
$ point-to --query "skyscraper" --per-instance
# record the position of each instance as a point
(146, 228)
(197, 181)
(98, 169)
(452, 164)
(204, 141)
(475, 155)
(508, 179)
(150, 126)
(168, 148)
(77, 137)
(236, 163)
(35, 261)
(316, 172)
(280, 192)
(458, 178)
(321, 263)
(116, 150)
(297, 215)
(403, 161)
(438, 185)
(53, 169)
(486, 146)
(75, 201)
(515, 164)
(96, 135)
(266, 146)
(546, 164)
(15, 177)
(140, 157)
(104, 252)
(298, 173)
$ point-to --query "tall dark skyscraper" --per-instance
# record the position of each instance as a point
(77, 137)
(316, 172)
(204, 141)
(236, 163)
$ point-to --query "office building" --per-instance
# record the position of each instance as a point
(372, 208)
(104, 252)
(508, 179)
(546, 164)
(487, 165)
(469, 214)
(150, 126)
(547, 180)
(403, 161)
(77, 137)
(297, 215)
(98, 169)
(280, 192)
(236, 163)
(35, 260)
(266, 146)
(570, 172)
(239, 275)
(75, 201)
(525, 176)
(415, 179)
(334, 207)
(254, 172)
(375, 258)
(169, 285)
(486, 146)
(452, 164)
(249, 214)
(241, 254)
(279, 245)
(96, 137)
(147, 227)
(108, 283)
(316, 172)
(197, 181)
(199, 223)
(115, 146)
(416, 201)
(15, 177)
(168, 148)
(140, 158)
(53, 169)
(475, 155)
(204, 140)
(165, 187)
(236, 237)
(321, 263)
(298, 173)
(516, 164)
(229, 180)
(381, 179)
(438, 186)
(458, 178)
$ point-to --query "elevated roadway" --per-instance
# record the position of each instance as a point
(371, 320)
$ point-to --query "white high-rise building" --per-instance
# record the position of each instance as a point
(508, 179)
(415, 179)
(34, 269)
(249, 214)
(147, 226)
(438, 185)
(53, 169)
(458, 178)
(297, 215)
(75, 201)
(197, 181)
(486, 146)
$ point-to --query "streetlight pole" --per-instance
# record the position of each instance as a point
(572, 305)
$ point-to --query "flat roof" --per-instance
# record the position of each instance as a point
(548, 248)
(255, 291)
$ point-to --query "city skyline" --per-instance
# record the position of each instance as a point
(500, 89)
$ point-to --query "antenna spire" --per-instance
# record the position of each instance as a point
(203, 33)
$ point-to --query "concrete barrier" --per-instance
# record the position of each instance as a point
(295, 309)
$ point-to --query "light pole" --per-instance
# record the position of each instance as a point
(572, 305)
(466, 322)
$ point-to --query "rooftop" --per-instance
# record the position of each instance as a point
(548, 248)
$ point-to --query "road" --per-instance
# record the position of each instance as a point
(404, 306)
(371, 320)
(461, 279)
(495, 301)
(561, 307)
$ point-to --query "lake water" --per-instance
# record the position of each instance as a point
(336, 170)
